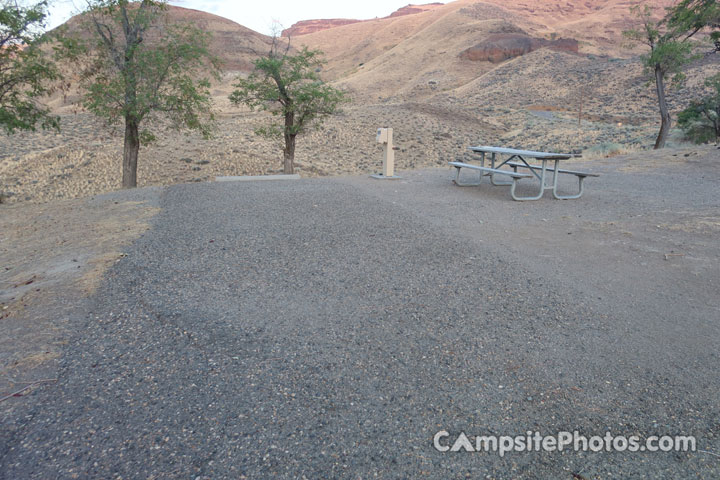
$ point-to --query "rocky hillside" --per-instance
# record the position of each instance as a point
(596, 23)
(237, 46)
(499, 47)
(304, 27)
(234, 44)
(443, 47)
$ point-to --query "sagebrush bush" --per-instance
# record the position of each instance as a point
(701, 120)
(607, 149)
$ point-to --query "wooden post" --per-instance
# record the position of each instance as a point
(580, 111)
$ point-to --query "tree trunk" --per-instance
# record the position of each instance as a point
(130, 153)
(289, 152)
(289, 155)
(666, 121)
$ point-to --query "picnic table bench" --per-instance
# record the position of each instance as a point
(515, 176)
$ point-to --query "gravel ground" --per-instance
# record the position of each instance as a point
(328, 328)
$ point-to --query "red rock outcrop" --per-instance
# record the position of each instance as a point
(504, 46)
(309, 26)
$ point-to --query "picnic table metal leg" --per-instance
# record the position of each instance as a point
(482, 174)
(542, 186)
(499, 183)
(492, 176)
(457, 182)
(581, 179)
(482, 164)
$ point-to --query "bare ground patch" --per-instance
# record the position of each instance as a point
(52, 255)
(658, 159)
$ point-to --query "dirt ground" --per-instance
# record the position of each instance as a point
(52, 255)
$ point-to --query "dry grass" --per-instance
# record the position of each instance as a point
(695, 224)
(609, 151)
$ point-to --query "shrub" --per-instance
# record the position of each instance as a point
(701, 120)
(606, 150)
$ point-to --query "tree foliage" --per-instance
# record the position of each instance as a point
(26, 72)
(289, 87)
(693, 16)
(701, 120)
(137, 69)
(670, 50)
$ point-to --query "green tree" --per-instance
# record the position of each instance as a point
(289, 87)
(669, 52)
(701, 120)
(693, 16)
(137, 69)
(26, 73)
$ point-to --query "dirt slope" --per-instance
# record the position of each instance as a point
(415, 56)
(233, 43)
(305, 27)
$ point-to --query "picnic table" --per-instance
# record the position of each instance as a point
(522, 156)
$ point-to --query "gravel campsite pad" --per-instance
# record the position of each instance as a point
(329, 328)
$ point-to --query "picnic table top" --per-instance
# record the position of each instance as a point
(525, 153)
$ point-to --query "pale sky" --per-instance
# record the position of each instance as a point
(259, 15)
